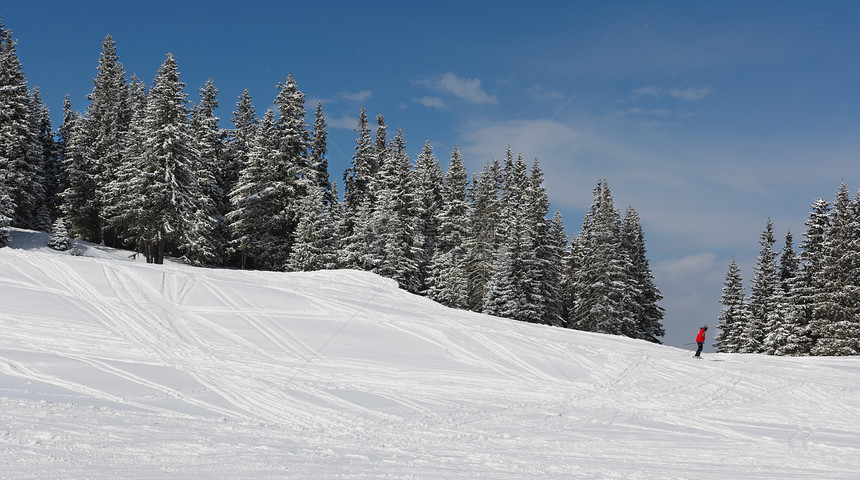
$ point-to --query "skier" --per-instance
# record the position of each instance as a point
(700, 340)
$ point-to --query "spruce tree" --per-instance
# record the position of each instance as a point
(60, 236)
(48, 207)
(836, 320)
(554, 272)
(763, 299)
(649, 315)
(168, 158)
(428, 204)
(483, 219)
(447, 281)
(20, 152)
(604, 292)
(315, 246)
(317, 157)
(734, 315)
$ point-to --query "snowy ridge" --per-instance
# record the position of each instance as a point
(112, 368)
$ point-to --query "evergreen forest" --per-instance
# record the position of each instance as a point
(145, 167)
(800, 304)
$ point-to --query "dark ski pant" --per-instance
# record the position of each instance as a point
(699, 350)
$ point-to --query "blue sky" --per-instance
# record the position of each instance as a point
(707, 117)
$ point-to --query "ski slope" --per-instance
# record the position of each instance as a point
(112, 368)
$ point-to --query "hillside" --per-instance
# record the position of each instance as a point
(112, 368)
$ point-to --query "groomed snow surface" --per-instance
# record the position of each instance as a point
(111, 368)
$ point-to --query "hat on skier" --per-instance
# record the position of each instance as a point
(705, 327)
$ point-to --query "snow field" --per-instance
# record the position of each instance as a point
(112, 368)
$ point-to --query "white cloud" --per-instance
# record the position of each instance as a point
(702, 263)
(468, 89)
(433, 102)
(356, 96)
(688, 94)
(345, 121)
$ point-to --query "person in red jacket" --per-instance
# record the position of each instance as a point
(700, 339)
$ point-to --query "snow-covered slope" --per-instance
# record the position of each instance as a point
(112, 368)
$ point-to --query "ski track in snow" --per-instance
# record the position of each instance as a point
(112, 368)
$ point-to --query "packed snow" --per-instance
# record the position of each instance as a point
(114, 368)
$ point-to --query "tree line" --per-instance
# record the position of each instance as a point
(144, 168)
(806, 304)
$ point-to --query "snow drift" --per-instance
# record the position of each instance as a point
(112, 368)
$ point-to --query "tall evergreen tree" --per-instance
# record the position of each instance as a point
(483, 219)
(168, 158)
(205, 240)
(106, 122)
(428, 204)
(448, 280)
(318, 160)
(357, 182)
(836, 321)
(763, 301)
(555, 266)
(20, 156)
(48, 207)
(649, 315)
(315, 246)
(734, 315)
(604, 300)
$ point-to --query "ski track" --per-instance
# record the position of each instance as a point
(141, 371)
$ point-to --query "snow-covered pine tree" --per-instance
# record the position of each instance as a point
(239, 142)
(169, 155)
(397, 241)
(504, 297)
(205, 240)
(807, 284)
(649, 315)
(604, 292)
(357, 195)
(780, 334)
(763, 301)
(483, 219)
(836, 321)
(7, 205)
(19, 146)
(106, 122)
(428, 204)
(48, 208)
(554, 276)
(60, 236)
(448, 275)
(537, 257)
(317, 157)
(315, 246)
(257, 209)
(734, 315)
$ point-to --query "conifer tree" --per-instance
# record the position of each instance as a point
(48, 207)
(428, 203)
(60, 236)
(763, 301)
(168, 157)
(734, 315)
(649, 315)
(317, 157)
(106, 121)
(358, 197)
(205, 239)
(483, 219)
(836, 320)
(554, 274)
(805, 287)
(19, 147)
(448, 278)
(396, 247)
(315, 246)
(604, 294)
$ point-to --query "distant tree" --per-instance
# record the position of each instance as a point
(763, 300)
(20, 152)
(428, 204)
(483, 219)
(168, 158)
(604, 294)
(448, 279)
(317, 157)
(836, 320)
(649, 315)
(315, 246)
(555, 274)
(734, 315)
(48, 207)
(60, 236)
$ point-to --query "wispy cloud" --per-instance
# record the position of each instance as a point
(688, 94)
(356, 96)
(433, 102)
(468, 89)
(345, 121)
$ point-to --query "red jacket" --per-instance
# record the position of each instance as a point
(701, 336)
